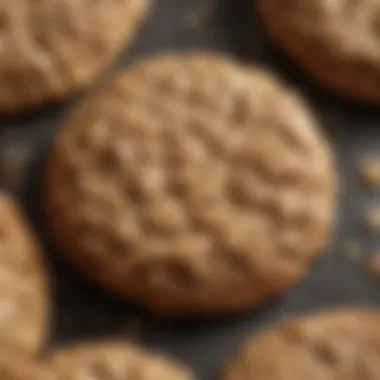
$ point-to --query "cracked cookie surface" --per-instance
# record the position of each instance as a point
(112, 361)
(337, 42)
(191, 185)
(51, 48)
(330, 346)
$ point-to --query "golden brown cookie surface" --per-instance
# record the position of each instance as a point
(332, 346)
(50, 48)
(23, 294)
(191, 185)
(337, 42)
(16, 366)
(112, 361)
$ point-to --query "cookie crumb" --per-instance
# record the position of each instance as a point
(370, 171)
(372, 218)
(373, 267)
(352, 250)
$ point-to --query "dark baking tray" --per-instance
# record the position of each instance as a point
(82, 311)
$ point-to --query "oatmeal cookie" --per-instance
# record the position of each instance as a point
(337, 42)
(335, 345)
(192, 185)
(50, 48)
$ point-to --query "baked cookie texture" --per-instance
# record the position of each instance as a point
(24, 299)
(191, 185)
(112, 361)
(335, 345)
(337, 42)
(16, 366)
(91, 361)
(50, 48)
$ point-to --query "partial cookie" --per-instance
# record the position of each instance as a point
(337, 42)
(96, 361)
(50, 48)
(112, 361)
(337, 345)
(16, 366)
(191, 185)
(23, 293)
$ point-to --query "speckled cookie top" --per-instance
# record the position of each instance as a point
(112, 361)
(336, 41)
(23, 294)
(332, 346)
(191, 183)
(49, 48)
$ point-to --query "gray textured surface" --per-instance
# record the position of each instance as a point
(81, 310)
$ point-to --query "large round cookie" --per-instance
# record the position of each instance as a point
(23, 294)
(337, 42)
(340, 345)
(192, 185)
(49, 48)
(112, 361)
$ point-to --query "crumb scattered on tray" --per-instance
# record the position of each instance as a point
(369, 171)
(373, 267)
(353, 250)
(372, 218)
